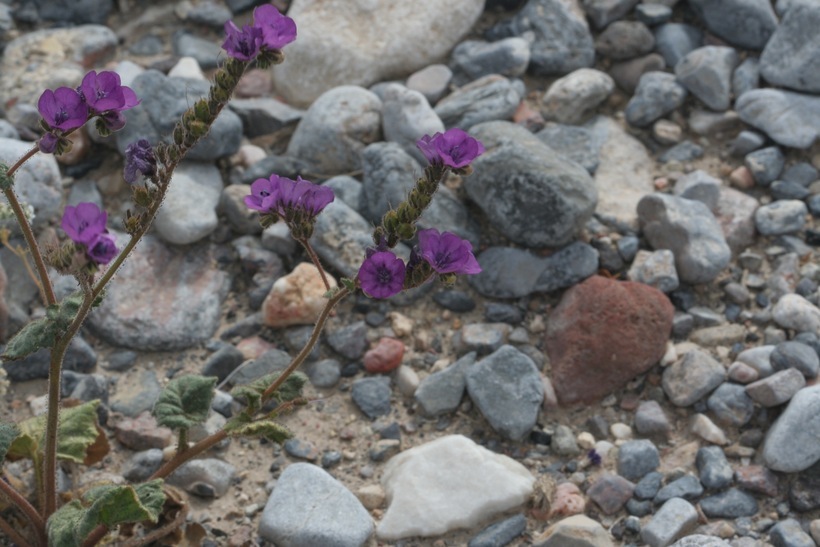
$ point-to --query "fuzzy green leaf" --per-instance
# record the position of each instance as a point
(349, 284)
(251, 393)
(8, 432)
(6, 182)
(35, 336)
(237, 427)
(110, 505)
(78, 430)
(185, 401)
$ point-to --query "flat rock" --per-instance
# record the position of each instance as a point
(431, 489)
(602, 334)
(789, 58)
(489, 98)
(692, 378)
(745, 23)
(791, 119)
(707, 73)
(792, 443)
(506, 387)
(658, 93)
(332, 51)
(309, 507)
(574, 531)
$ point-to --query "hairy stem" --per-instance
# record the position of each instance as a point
(314, 337)
(53, 418)
(13, 535)
(17, 500)
(28, 155)
(315, 259)
(46, 290)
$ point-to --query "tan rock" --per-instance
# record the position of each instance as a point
(297, 298)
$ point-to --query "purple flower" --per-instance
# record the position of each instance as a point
(303, 195)
(382, 274)
(447, 253)
(264, 194)
(84, 222)
(242, 44)
(277, 30)
(103, 93)
(102, 249)
(454, 148)
(63, 108)
(139, 156)
(48, 143)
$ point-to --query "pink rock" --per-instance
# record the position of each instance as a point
(386, 356)
(142, 432)
(297, 298)
(567, 500)
(743, 373)
(602, 334)
(253, 346)
(756, 478)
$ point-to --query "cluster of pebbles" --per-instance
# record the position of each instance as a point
(635, 365)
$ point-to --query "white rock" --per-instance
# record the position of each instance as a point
(706, 429)
(407, 381)
(401, 37)
(795, 312)
(574, 98)
(406, 117)
(432, 488)
(187, 67)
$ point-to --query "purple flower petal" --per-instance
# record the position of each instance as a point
(102, 249)
(277, 29)
(48, 143)
(264, 194)
(63, 108)
(242, 44)
(447, 253)
(84, 222)
(103, 92)
(428, 147)
(382, 275)
(457, 149)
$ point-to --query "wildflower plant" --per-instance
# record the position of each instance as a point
(91, 254)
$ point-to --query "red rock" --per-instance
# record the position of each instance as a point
(386, 356)
(756, 478)
(602, 334)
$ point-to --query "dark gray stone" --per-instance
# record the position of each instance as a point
(745, 142)
(744, 23)
(674, 40)
(625, 40)
(80, 357)
(647, 488)
(506, 387)
(715, 470)
(658, 94)
(140, 398)
(441, 392)
(533, 195)
(324, 374)
(372, 396)
(781, 189)
(801, 173)
(682, 152)
(793, 442)
(707, 73)
(653, 14)
(732, 503)
(271, 361)
(789, 533)
(746, 76)
(700, 186)
(264, 115)
(142, 465)
(692, 378)
(790, 56)
(454, 300)
(84, 387)
(796, 355)
(730, 404)
(581, 144)
(765, 164)
(77, 12)
(650, 419)
(604, 12)
(687, 487)
(349, 341)
(561, 41)
(472, 59)
(501, 533)
(676, 518)
(223, 361)
(206, 52)
(791, 119)
(785, 216)
(567, 267)
(487, 99)
(637, 458)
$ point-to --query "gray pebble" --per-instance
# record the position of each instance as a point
(713, 467)
(650, 419)
(472, 59)
(788, 59)
(691, 378)
(790, 119)
(657, 94)
(207, 478)
(765, 164)
(707, 73)
(796, 355)
(731, 404)
(647, 488)
(372, 396)
(781, 217)
(674, 519)
(746, 76)
(653, 14)
(349, 341)
(732, 503)
(487, 99)
(682, 152)
(687, 487)
(637, 458)
(142, 465)
(745, 23)
(500, 533)
(675, 40)
(625, 40)
(324, 374)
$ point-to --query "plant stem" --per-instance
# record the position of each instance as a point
(52, 420)
(315, 259)
(23, 505)
(24, 159)
(13, 535)
(314, 337)
(46, 290)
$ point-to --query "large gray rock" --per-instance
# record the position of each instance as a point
(336, 128)
(506, 387)
(37, 183)
(744, 23)
(658, 94)
(309, 507)
(560, 38)
(674, 40)
(407, 116)
(791, 119)
(163, 299)
(790, 57)
(533, 195)
(707, 73)
(183, 220)
(163, 100)
(793, 441)
(332, 50)
(689, 229)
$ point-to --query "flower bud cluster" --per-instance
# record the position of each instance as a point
(261, 41)
(297, 202)
(85, 225)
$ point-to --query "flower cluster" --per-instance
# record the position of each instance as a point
(383, 274)
(454, 148)
(298, 202)
(270, 31)
(65, 109)
(139, 156)
(85, 225)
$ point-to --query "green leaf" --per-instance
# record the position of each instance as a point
(237, 427)
(185, 401)
(252, 393)
(110, 505)
(62, 525)
(8, 432)
(36, 335)
(349, 284)
(69, 308)
(77, 431)
(6, 182)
